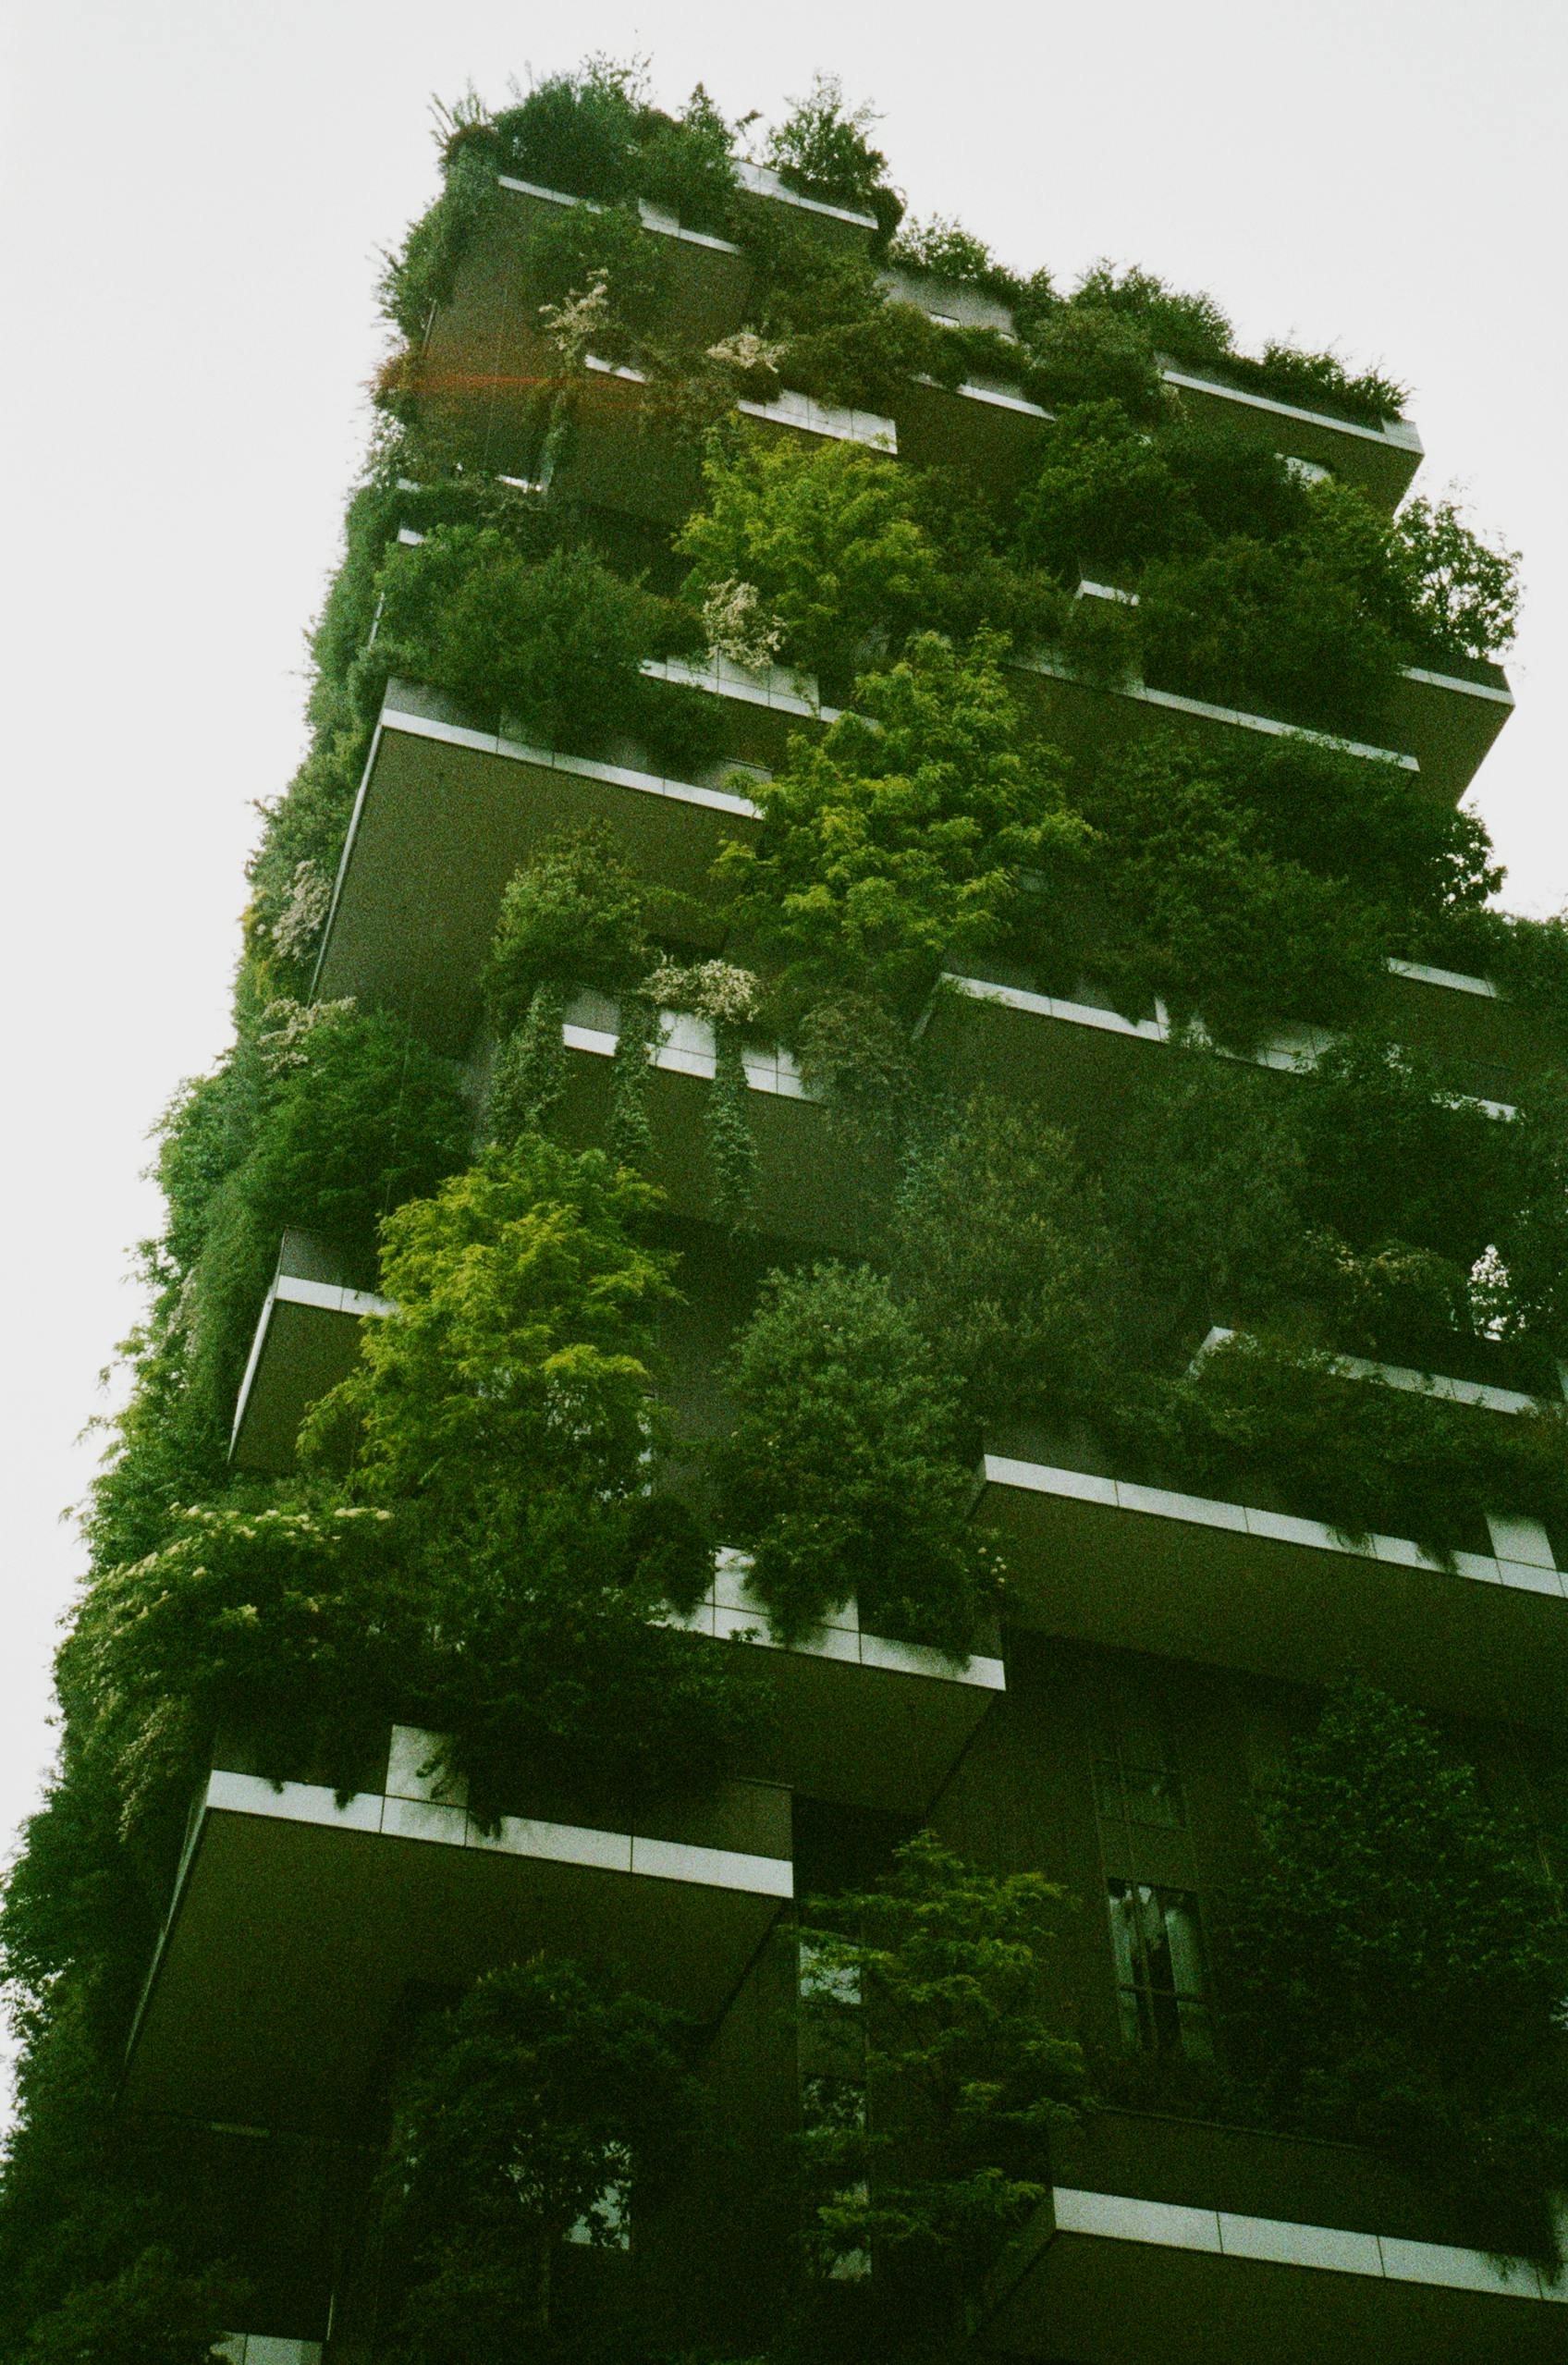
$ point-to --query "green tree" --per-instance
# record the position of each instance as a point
(844, 1472)
(555, 646)
(895, 841)
(506, 1412)
(1001, 1252)
(152, 2312)
(1398, 1967)
(535, 2112)
(932, 1998)
(829, 534)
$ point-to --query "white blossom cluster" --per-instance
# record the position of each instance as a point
(745, 352)
(739, 626)
(302, 917)
(579, 322)
(286, 1027)
(717, 990)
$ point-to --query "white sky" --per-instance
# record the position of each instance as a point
(198, 189)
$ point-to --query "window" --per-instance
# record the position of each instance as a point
(1134, 1779)
(1160, 1979)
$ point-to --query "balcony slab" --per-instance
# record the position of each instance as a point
(1142, 1568)
(301, 1920)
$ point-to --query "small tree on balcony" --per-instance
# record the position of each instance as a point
(932, 1995)
(532, 2116)
(1398, 1967)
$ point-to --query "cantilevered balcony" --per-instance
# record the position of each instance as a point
(847, 1715)
(307, 1339)
(1438, 727)
(1146, 1568)
(1381, 457)
(267, 2348)
(301, 1920)
(1212, 2276)
(1082, 1063)
(444, 814)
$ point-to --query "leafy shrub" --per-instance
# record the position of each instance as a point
(1002, 1255)
(505, 1411)
(574, 915)
(1188, 327)
(1398, 1968)
(1461, 593)
(1086, 352)
(1105, 494)
(822, 148)
(351, 1115)
(556, 646)
(154, 2313)
(1206, 912)
(284, 1625)
(843, 1473)
(689, 165)
(571, 251)
(829, 535)
(1282, 627)
(1365, 1458)
(1319, 381)
(574, 132)
(895, 839)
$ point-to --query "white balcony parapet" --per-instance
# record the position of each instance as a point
(657, 218)
(1118, 2217)
(1438, 1385)
(1280, 1528)
(783, 688)
(760, 180)
(419, 1806)
(267, 2348)
(1453, 980)
(809, 417)
(732, 1612)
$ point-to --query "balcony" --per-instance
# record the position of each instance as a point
(1142, 1568)
(817, 1183)
(445, 814)
(302, 1918)
(1080, 1062)
(307, 1339)
(848, 1716)
(1099, 2273)
(1381, 458)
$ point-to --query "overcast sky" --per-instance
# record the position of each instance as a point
(198, 192)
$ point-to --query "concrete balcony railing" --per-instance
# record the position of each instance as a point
(1136, 1567)
(301, 1918)
(1082, 1063)
(1443, 1388)
(849, 1715)
(445, 814)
